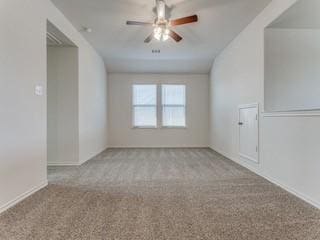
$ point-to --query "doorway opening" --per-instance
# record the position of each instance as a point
(62, 99)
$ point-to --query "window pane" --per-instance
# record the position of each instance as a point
(144, 94)
(173, 94)
(173, 105)
(174, 117)
(145, 116)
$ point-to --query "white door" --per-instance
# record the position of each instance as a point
(249, 132)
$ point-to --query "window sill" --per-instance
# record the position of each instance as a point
(168, 127)
(163, 127)
(145, 128)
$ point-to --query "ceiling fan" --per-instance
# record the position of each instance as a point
(162, 24)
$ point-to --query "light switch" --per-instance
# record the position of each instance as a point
(38, 90)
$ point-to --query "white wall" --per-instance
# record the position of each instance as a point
(62, 106)
(23, 155)
(289, 143)
(92, 105)
(292, 59)
(121, 133)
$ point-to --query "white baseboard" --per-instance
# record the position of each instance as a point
(62, 164)
(290, 190)
(156, 147)
(22, 197)
(82, 162)
(274, 181)
(66, 164)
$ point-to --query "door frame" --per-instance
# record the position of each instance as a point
(245, 106)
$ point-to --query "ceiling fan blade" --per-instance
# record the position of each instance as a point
(149, 38)
(185, 20)
(139, 23)
(175, 36)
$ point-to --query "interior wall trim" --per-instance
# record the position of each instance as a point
(291, 114)
(57, 164)
(296, 193)
(23, 196)
(148, 147)
(75, 164)
(89, 159)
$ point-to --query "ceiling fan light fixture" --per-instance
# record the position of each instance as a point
(165, 37)
(157, 33)
(161, 33)
(163, 25)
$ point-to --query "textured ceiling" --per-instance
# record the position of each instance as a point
(122, 46)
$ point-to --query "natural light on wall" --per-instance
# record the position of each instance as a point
(173, 105)
(145, 106)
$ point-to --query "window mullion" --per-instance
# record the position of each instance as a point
(159, 105)
(173, 105)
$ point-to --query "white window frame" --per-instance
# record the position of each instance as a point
(174, 105)
(133, 106)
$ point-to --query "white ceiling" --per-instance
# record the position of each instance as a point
(123, 47)
(303, 14)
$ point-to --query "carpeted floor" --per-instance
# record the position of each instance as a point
(159, 194)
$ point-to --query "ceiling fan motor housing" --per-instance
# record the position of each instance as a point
(161, 10)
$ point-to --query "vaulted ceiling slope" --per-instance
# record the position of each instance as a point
(302, 15)
(123, 47)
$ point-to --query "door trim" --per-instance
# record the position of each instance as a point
(245, 106)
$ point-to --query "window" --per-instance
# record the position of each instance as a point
(173, 105)
(145, 105)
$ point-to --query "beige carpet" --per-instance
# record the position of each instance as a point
(160, 194)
